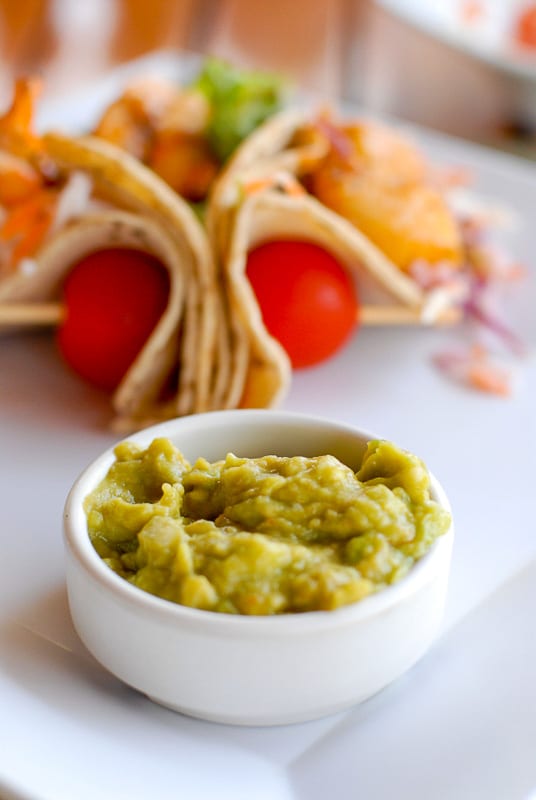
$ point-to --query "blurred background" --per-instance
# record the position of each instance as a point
(466, 67)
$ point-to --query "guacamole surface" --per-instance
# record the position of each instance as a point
(269, 535)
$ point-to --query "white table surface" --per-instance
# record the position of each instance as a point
(460, 724)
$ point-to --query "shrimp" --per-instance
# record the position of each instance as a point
(28, 206)
(16, 133)
(164, 128)
(187, 111)
(383, 188)
(125, 123)
(184, 162)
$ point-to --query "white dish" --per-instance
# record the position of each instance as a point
(71, 730)
(487, 35)
(504, 71)
(251, 670)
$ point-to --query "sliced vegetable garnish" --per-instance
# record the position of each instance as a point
(475, 368)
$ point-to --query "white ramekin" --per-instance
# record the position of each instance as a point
(240, 669)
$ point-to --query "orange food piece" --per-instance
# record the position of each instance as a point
(282, 181)
(525, 30)
(26, 226)
(16, 133)
(28, 208)
(380, 185)
(163, 127)
(474, 368)
(18, 180)
(184, 162)
(488, 378)
(484, 375)
(377, 148)
(125, 123)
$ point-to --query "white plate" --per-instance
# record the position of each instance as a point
(460, 724)
(498, 72)
(488, 35)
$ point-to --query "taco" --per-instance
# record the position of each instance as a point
(186, 133)
(280, 146)
(261, 368)
(113, 201)
(368, 185)
(304, 180)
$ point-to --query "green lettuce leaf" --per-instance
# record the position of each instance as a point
(240, 101)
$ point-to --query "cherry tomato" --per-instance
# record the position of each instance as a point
(308, 301)
(113, 299)
(525, 31)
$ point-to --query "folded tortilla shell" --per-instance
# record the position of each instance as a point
(122, 180)
(287, 143)
(261, 369)
(259, 376)
(273, 147)
(149, 216)
(135, 400)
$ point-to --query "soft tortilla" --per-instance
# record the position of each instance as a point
(191, 336)
(244, 210)
(237, 222)
(270, 149)
(122, 180)
(261, 369)
(136, 398)
(278, 147)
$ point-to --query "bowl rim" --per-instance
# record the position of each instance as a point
(78, 543)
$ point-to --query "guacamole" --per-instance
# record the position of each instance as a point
(268, 535)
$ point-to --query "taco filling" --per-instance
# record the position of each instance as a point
(186, 134)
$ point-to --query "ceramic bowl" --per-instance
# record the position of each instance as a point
(241, 669)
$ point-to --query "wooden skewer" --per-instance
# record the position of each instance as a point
(38, 314)
(402, 315)
(53, 314)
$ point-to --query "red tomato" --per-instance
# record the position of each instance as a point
(113, 299)
(308, 301)
(525, 31)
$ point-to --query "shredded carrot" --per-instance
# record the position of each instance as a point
(473, 367)
(488, 378)
(27, 225)
(253, 187)
(281, 180)
(290, 185)
(484, 375)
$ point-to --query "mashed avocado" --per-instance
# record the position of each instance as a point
(268, 535)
